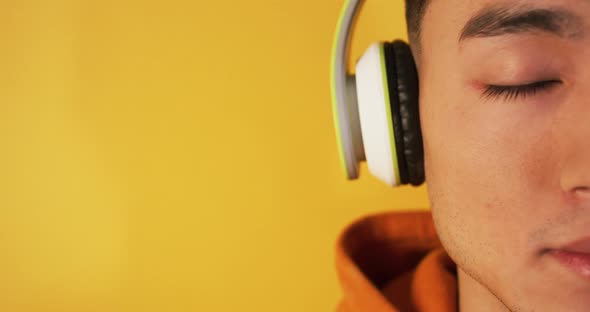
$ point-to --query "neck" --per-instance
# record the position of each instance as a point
(473, 296)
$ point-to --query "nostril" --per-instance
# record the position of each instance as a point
(582, 191)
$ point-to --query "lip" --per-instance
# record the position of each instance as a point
(577, 262)
(575, 256)
(578, 246)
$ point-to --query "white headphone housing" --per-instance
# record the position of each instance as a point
(375, 115)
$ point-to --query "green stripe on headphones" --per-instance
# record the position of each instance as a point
(376, 112)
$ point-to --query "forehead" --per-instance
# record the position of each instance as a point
(456, 18)
(444, 22)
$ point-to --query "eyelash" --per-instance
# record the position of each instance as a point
(516, 92)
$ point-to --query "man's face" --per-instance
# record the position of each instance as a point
(508, 169)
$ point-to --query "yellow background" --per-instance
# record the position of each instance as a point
(176, 155)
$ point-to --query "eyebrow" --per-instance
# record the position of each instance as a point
(500, 20)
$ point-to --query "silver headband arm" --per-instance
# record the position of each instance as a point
(344, 99)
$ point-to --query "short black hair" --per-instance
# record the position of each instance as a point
(415, 10)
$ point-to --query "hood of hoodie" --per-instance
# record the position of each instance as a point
(394, 262)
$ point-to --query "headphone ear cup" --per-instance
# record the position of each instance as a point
(394, 103)
(404, 95)
(374, 108)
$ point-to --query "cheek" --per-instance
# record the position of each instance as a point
(505, 151)
(486, 145)
(487, 169)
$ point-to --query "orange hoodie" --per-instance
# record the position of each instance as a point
(394, 262)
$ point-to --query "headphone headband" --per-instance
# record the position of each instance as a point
(344, 104)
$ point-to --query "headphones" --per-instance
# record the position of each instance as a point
(376, 113)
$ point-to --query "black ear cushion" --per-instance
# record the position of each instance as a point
(407, 96)
(398, 131)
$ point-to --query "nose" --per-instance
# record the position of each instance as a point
(577, 182)
(575, 144)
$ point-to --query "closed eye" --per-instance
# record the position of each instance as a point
(519, 91)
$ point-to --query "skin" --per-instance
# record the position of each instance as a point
(507, 178)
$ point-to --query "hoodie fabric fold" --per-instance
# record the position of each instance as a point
(394, 262)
